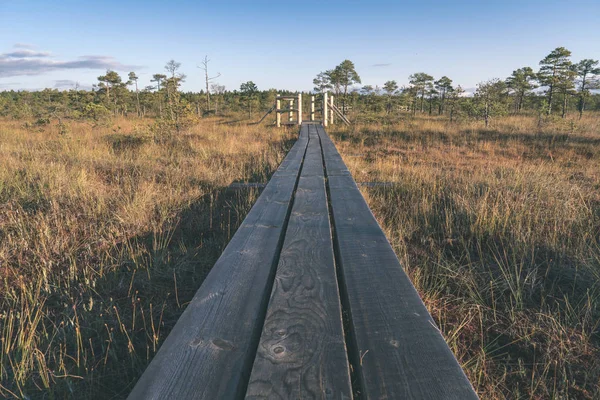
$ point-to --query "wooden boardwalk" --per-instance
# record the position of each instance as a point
(308, 301)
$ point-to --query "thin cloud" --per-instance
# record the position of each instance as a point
(23, 46)
(26, 53)
(469, 92)
(381, 65)
(28, 62)
(8, 85)
(64, 84)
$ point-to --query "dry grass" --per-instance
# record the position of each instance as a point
(105, 234)
(499, 229)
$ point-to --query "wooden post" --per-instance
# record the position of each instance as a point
(325, 111)
(312, 108)
(291, 113)
(277, 112)
(299, 108)
(331, 113)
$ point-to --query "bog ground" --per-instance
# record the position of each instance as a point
(106, 232)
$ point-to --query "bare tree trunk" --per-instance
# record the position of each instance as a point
(344, 102)
(159, 99)
(207, 91)
(487, 113)
(582, 97)
(550, 93)
(520, 102)
(137, 95)
(170, 100)
(207, 80)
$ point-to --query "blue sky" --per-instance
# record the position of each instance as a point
(280, 44)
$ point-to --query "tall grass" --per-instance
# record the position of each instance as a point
(105, 234)
(499, 229)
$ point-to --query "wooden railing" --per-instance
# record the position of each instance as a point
(293, 112)
(308, 300)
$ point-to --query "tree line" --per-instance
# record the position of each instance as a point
(560, 80)
(114, 95)
(559, 86)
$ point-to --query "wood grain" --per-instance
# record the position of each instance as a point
(396, 349)
(209, 352)
(232, 341)
(302, 353)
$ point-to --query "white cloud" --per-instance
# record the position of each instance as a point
(25, 61)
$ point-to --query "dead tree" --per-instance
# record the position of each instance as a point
(207, 80)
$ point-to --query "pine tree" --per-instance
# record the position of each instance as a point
(490, 95)
(556, 73)
(422, 83)
(390, 88)
(249, 90)
(521, 82)
(344, 76)
(443, 86)
(586, 70)
(133, 79)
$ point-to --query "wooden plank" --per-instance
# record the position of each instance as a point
(260, 185)
(299, 109)
(331, 113)
(335, 109)
(325, 112)
(396, 350)
(209, 352)
(277, 112)
(247, 185)
(302, 352)
(265, 116)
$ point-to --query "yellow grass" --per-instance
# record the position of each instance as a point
(105, 234)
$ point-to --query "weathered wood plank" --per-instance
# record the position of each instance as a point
(396, 350)
(209, 352)
(302, 353)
